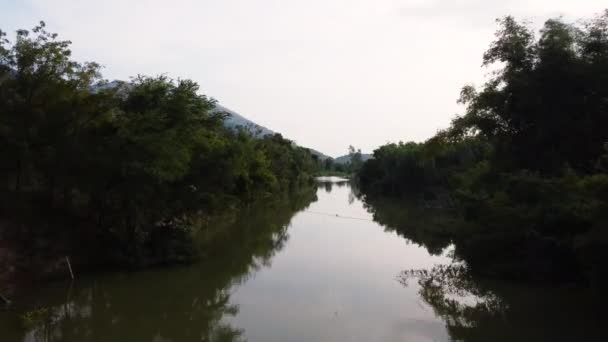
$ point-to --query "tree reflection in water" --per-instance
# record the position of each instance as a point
(455, 297)
(188, 303)
(328, 183)
(475, 308)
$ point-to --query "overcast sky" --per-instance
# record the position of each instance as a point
(325, 73)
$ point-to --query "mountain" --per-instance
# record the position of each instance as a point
(346, 159)
(233, 121)
(319, 154)
(236, 121)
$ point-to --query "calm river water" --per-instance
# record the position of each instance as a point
(314, 268)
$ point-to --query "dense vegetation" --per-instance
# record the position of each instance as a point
(343, 166)
(120, 166)
(526, 166)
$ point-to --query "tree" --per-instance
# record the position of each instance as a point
(45, 104)
(545, 108)
(123, 160)
(355, 158)
(526, 162)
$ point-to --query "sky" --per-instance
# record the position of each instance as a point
(324, 73)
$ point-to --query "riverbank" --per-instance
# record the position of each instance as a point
(34, 252)
(526, 163)
(347, 275)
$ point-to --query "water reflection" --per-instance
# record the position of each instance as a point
(479, 309)
(175, 304)
(476, 309)
(426, 227)
(336, 281)
(328, 183)
(332, 272)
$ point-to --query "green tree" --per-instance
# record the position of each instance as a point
(128, 162)
(526, 162)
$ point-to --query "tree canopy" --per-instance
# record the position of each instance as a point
(124, 159)
(525, 165)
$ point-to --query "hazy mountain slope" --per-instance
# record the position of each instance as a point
(319, 154)
(346, 159)
(233, 121)
(236, 121)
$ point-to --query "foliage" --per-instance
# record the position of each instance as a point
(124, 159)
(418, 168)
(336, 167)
(526, 163)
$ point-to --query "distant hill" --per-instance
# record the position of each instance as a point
(319, 154)
(346, 159)
(233, 121)
(236, 121)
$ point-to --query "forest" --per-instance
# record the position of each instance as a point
(120, 172)
(525, 168)
(124, 172)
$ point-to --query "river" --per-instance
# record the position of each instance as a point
(315, 268)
